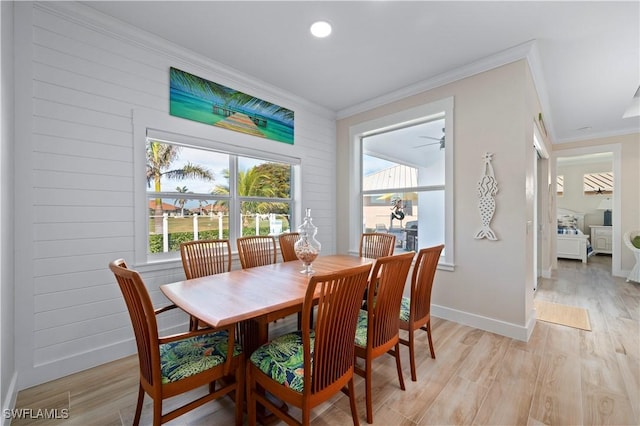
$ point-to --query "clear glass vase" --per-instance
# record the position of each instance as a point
(307, 247)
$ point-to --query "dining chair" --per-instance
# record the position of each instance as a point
(415, 311)
(307, 367)
(204, 257)
(181, 362)
(632, 241)
(256, 250)
(377, 331)
(287, 242)
(376, 244)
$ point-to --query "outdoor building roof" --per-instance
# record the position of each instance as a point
(399, 176)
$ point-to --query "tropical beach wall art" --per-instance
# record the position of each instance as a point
(197, 99)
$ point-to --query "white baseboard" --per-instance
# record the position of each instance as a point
(10, 400)
(492, 325)
(75, 363)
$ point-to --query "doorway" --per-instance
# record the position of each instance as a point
(572, 167)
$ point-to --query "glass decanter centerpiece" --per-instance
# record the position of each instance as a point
(307, 247)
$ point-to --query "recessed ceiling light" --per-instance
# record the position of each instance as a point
(321, 29)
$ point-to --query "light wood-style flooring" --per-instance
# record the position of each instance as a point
(562, 376)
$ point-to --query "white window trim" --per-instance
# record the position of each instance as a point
(399, 119)
(164, 127)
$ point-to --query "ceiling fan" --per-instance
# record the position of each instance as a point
(440, 141)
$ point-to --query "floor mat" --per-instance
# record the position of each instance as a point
(571, 316)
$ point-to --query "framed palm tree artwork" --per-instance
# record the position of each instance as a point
(197, 99)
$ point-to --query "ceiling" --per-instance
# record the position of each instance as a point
(585, 56)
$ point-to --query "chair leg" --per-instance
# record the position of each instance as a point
(306, 414)
(368, 398)
(398, 366)
(433, 354)
(157, 412)
(412, 355)
(352, 403)
(136, 418)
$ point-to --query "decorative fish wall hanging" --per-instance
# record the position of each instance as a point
(487, 189)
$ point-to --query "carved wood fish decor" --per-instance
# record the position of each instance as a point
(487, 189)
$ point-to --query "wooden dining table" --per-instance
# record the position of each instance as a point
(253, 297)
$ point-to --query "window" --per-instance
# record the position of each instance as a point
(403, 180)
(560, 184)
(598, 183)
(200, 193)
(406, 177)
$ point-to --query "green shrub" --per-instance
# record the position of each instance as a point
(176, 238)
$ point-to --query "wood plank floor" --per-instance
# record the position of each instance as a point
(562, 376)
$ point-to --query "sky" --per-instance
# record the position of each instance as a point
(217, 162)
(213, 161)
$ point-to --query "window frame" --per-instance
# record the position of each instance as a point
(422, 113)
(172, 130)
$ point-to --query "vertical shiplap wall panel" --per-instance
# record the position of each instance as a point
(88, 75)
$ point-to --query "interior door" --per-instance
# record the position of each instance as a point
(540, 178)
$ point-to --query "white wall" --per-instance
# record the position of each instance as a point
(7, 361)
(81, 75)
(492, 281)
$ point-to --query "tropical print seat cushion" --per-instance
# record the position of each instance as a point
(404, 309)
(184, 358)
(361, 329)
(282, 359)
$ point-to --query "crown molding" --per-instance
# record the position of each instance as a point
(97, 21)
(527, 50)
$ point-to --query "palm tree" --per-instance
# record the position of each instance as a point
(251, 183)
(160, 157)
(197, 85)
(259, 105)
(181, 202)
(201, 204)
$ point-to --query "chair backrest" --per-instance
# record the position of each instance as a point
(424, 272)
(340, 297)
(205, 257)
(287, 241)
(628, 237)
(377, 244)
(385, 296)
(143, 319)
(256, 250)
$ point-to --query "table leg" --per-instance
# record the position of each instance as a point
(252, 334)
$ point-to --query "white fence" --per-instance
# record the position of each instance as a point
(275, 225)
